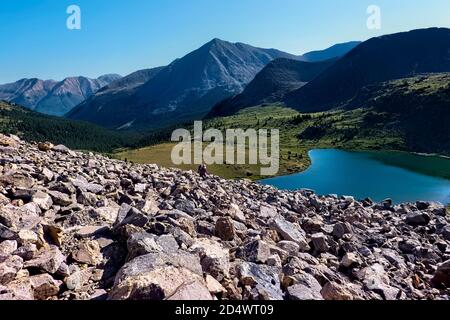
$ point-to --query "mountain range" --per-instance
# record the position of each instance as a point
(186, 89)
(278, 78)
(225, 77)
(376, 60)
(53, 97)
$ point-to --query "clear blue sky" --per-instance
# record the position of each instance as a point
(121, 36)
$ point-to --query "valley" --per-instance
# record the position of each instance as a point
(387, 116)
(328, 99)
(293, 152)
(331, 174)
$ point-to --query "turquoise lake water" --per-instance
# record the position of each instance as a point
(403, 177)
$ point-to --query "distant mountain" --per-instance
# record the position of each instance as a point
(52, 97)
(335, 51)
(271, 84)
(187, 89)
(26, 92)
(379, 59)
(116, 95)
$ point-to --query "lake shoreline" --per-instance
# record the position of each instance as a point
(309, 160)
(361, 174)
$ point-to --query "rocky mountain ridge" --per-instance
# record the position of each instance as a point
(53, 97)
(82, 226)
(184, 90)
(389, 57)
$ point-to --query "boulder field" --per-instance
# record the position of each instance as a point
(81, 226)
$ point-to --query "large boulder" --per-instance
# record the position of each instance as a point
(305, 287)
(417, 219)
(46, 260)
(215, 259)
(225, 229)
(20, 218)
(143, 243)
(9, 269)
(289, 231)
(157, 276)
(441, 278)
(43, 200)
(265, 280)
(376, 279)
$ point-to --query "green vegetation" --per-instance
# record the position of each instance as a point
(417, 107)
(404, 115)
(32, 126)
(339, 129)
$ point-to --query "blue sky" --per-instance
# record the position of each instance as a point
(121, 36)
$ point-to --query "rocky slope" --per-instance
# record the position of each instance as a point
(81, 226)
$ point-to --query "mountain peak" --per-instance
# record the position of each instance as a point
(187, 89)
(216, 43)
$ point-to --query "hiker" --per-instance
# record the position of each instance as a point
(202, 171)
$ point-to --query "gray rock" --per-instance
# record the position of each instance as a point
(441, 278)
(446, 233)
(9, 268)
(185, 206)
(60, 198)
(302, 292)
(320, 243)
(84, 185)
(341, 229)
(20, 218)
(377, 280)
(134, 217)
(7, 247)
(161, 283)
(47, 260)
(143, 243)
(256, 251)
(288, 231)
(215, 259)
(289, 246)
(225, 229)
(417, 219)
(409, 245)
(264, 278)
(43, 200)
(156, 276)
